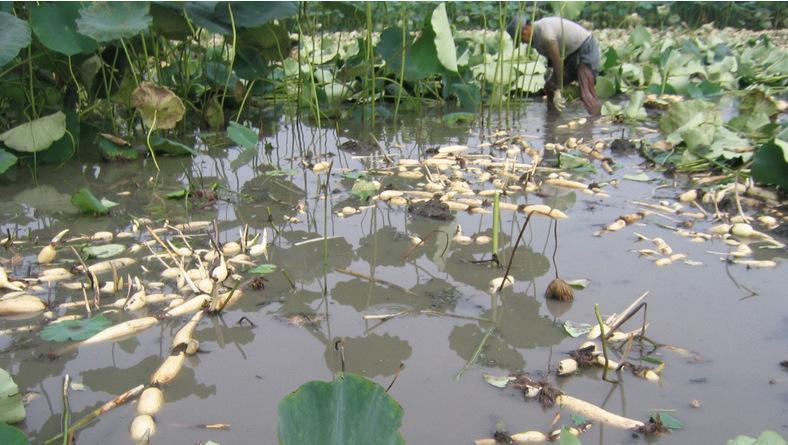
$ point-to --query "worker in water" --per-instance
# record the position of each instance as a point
(571, 52)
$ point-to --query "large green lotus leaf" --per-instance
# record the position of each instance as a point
(350, 410)
(155, 101)
(756, 101)
(205, 15)
(567, 10)
(64, 148)
(687, 118)
(11, 408)
(770, 164)
(7, 160)
(106, 21)
(729, 145)
(390, 46)
(36, 135)
(422, 60)
(251, 14)
(11, 435)
(75, 330)
(54, 24)
(14, 35)
(273, 41)
(241, 135)
(766, 438)
(169, 22)
(444, 42)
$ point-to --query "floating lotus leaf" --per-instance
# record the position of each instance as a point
(75, 330)
(14, 35)
(11, 435)
(11, 408)
(106, 21)
(171, 148)
(104, 251)
(87, 202)
(37, 134)
(241, 135)
(350, 410)
(159, 103)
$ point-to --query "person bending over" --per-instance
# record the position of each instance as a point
(571, 51)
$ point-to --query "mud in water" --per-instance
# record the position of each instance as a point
(279, 337)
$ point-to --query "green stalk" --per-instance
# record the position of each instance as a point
(131, 64)
(370, 58)
(243, 102)
(66, 419)
(402, 60)
(147, 140)
(603, 336)
(30, 72)
(232, 55)
(496, 224)
(80, 90)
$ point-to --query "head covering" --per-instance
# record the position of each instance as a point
(517, 23)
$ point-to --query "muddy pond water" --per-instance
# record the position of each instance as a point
(733, 318)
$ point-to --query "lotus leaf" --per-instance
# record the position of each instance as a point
(172, 148)
(770, 164)
(252, 14)
(104, 250)
(241, 135)
(157, 104)
(263, 269)
(107, 21)
(11, 408)
(11, 435)
(766, 438)
(14, 35)
(7, 160)
(351, 410)
(54, 24)
(567, 438)
(75, 330)
(668, 420)
(37, 134)
(363, 189)
(114, 152)
(87, 202)
(444, 42)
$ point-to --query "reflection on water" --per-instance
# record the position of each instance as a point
(444, 319)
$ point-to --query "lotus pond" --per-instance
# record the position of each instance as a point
(347, 243)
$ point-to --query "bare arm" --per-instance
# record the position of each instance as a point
(554, 55)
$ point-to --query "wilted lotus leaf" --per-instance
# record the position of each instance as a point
(157, 104)
(37, 134)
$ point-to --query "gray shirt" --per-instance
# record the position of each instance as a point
(555, 29)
